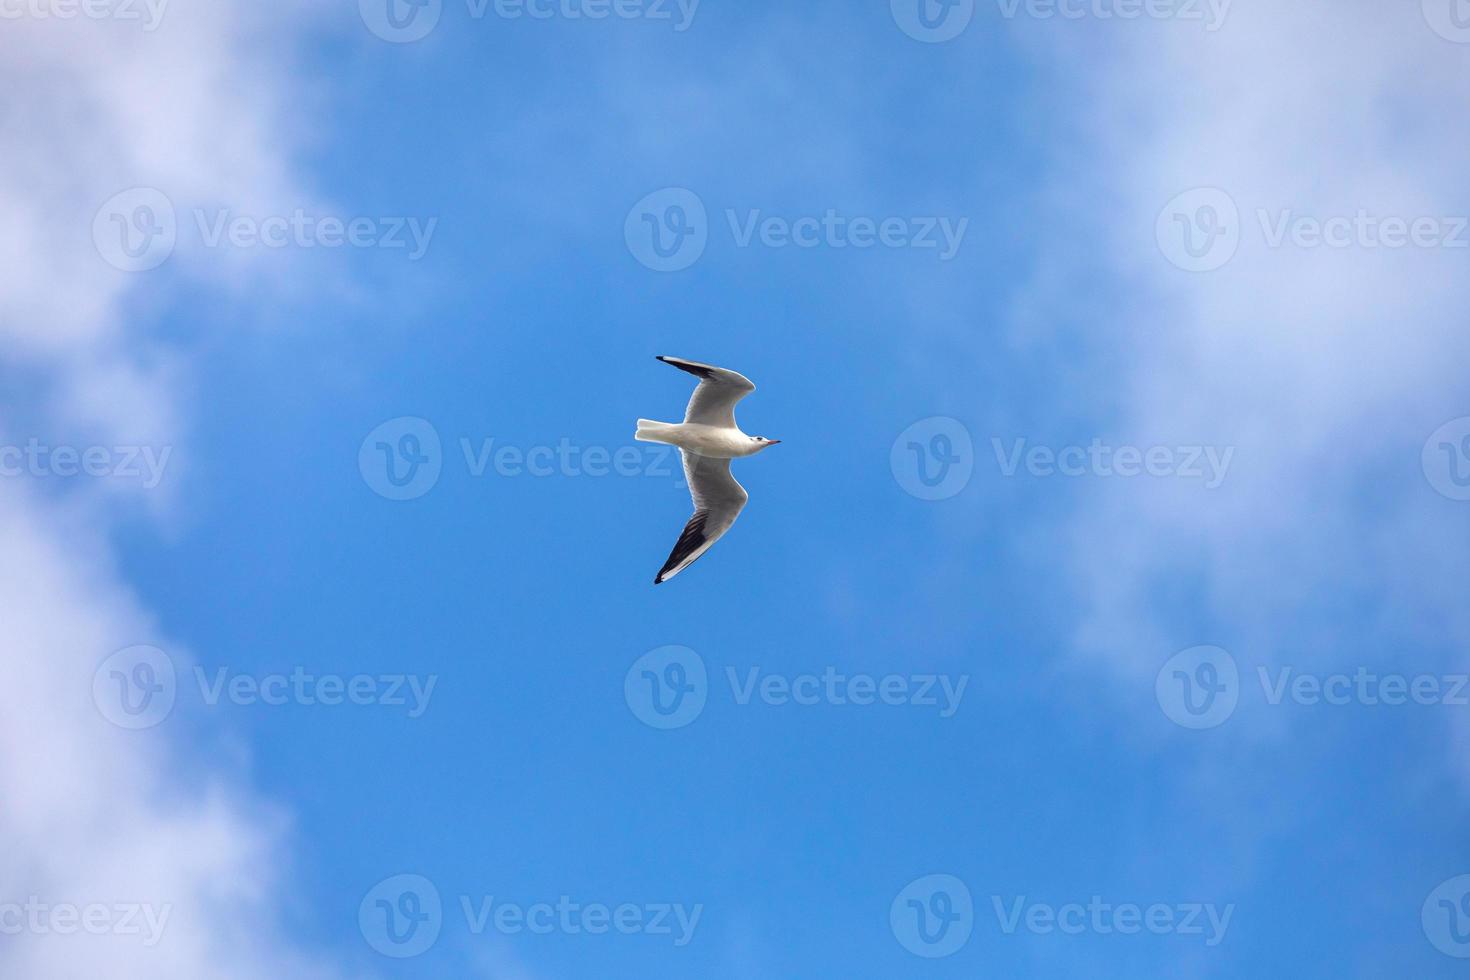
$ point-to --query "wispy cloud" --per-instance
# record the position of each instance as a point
(1326, 365)
(122, 863)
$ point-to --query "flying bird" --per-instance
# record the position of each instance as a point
(709, 439)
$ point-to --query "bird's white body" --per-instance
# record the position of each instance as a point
(709, 439)
(717, 442)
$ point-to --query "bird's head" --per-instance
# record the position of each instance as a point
(761, 442)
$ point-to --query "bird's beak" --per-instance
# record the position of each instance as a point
(773, 442)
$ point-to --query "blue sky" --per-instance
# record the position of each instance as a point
(1093, 671)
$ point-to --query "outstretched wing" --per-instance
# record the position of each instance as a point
(715, 397)
(718, 500)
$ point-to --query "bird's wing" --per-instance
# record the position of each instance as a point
(715, 397)
(718, 500)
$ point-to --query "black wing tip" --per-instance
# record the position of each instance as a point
(689, 541)
(693, 367)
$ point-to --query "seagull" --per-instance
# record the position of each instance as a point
(709, 439)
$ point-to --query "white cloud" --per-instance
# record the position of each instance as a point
(99, 816)
(95, 815)
(1326, 368)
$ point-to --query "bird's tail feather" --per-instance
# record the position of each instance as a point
(651, 431)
